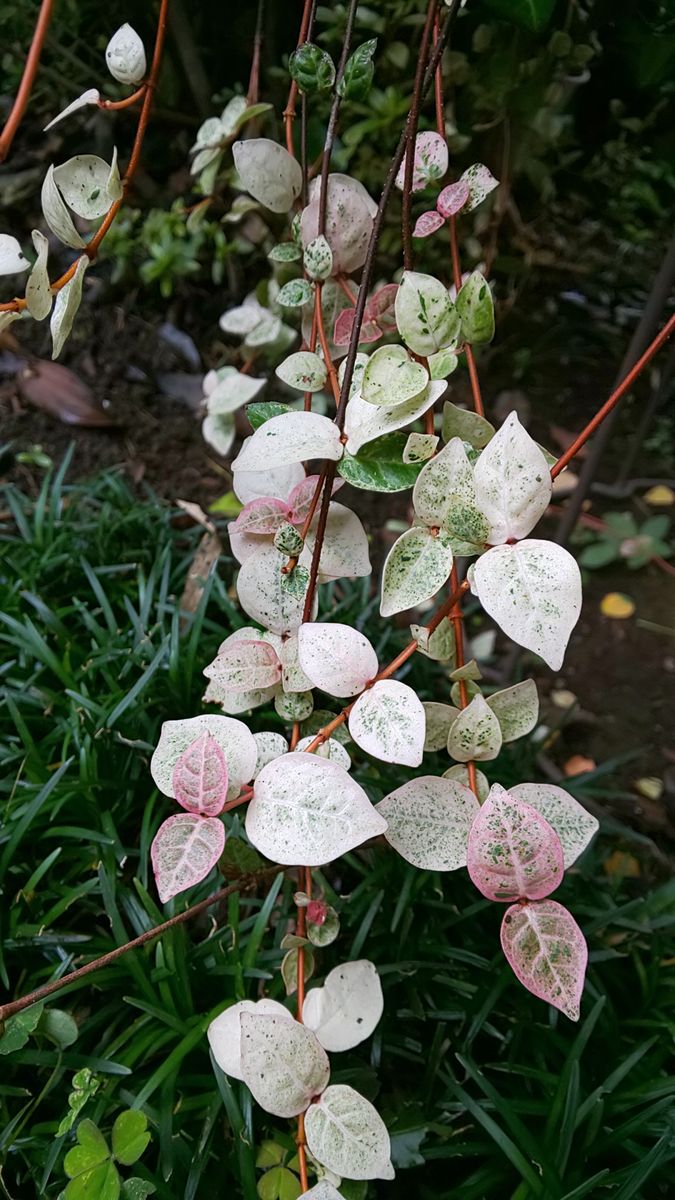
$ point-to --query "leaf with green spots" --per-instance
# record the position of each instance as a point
(285, 252)
(295, 293)
(475, 734)
(426, 318)
(468, 426)
(417, 565)
(516, 708)
(475, 309)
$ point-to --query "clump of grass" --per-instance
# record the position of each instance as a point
(487, 1092)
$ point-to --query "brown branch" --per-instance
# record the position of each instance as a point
(289, 111)
(333, 117)
(27, 79)
(91, 249)
(411, 134)
(15, 1006)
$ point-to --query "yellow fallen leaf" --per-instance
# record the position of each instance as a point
(650, 786)
(620, 863)
(617, 605)
(660, 495)
(563, 698)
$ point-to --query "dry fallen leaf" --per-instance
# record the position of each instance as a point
(198, 515)
(204, 562)
(617, 605)
(578, 765)
(622, 864)
(61, 393)
(563, 698)
(660, 495)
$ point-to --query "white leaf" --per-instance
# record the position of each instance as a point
(323, 1190)
(345, 1011)
(185, 848)
(364, 422)
(425, 315)
(387, 721)
(293, 677)
(65, 307)
(304, 371)
(125, 56)
(219, 432)
(533, 591)
(7, 319)
(86, 186)
(270, 746)
(289, 438)
(430, 161)
(419, 447)
(516, 708)
(513, 482)
(91, 96)
(308, 811)
(56, 213)
(475, 734)
(428, 822)
(262, 594)
(336, 658)
(268, 172)
(344, 554)
(271, 481)
(439, 718)
(349, 221)
(235, 740)
(224, 1032)
(460, 774)
(392, 377)
(417, 565)
(12, 259)
(245, 665)
(442, 483)
(573, 824)
(294, 706)
(38, 289)
(244, 318)
(231, 391)
(331, 749)
(346, 1134)
(282, 1062)
(480, 182)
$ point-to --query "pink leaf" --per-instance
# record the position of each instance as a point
(301, 497)
(513, 852)
(200, 777)
(430, 161)
(342, 332)
(185, 848)
(244, 665)
(453, 198)
(428, 223)
(261, 516)
(380, 307)
(547, 951)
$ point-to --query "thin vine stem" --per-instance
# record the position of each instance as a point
(411, 134)
(289, 111)
(27, 79)
(92, 247)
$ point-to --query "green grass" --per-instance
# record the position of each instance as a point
(488, 1093)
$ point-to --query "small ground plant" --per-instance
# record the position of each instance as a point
(374, 364)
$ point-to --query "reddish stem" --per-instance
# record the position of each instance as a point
(27, 79)
(625, 385)
(115, 105)
(289, 111)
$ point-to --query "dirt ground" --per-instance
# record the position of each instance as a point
(621, 671)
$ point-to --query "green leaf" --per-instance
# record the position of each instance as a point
(323, 935)
(476, 309)
(137, 1189)
(270, 1154)
(85, 1085)
(19, 1028)
(295, 293)
(59, 1026)
(312, 69)
(599, 554)
(238, 858)
(263, 411)
(130, 1136)
(358, 73)
(98, 1183)
(91, 1150)
(285, 252)
(379, 466)
(459, 422)
(289, 969)
(532, 15)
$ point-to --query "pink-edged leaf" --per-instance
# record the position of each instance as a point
(185, 848)
(380, 307)
(244, 665)
(428, 223)
(200, 777)
(370, 332)
(301, 497)
(262, 516)
(547, 951)
(513, 852)
(453, 198)
(430, 161)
